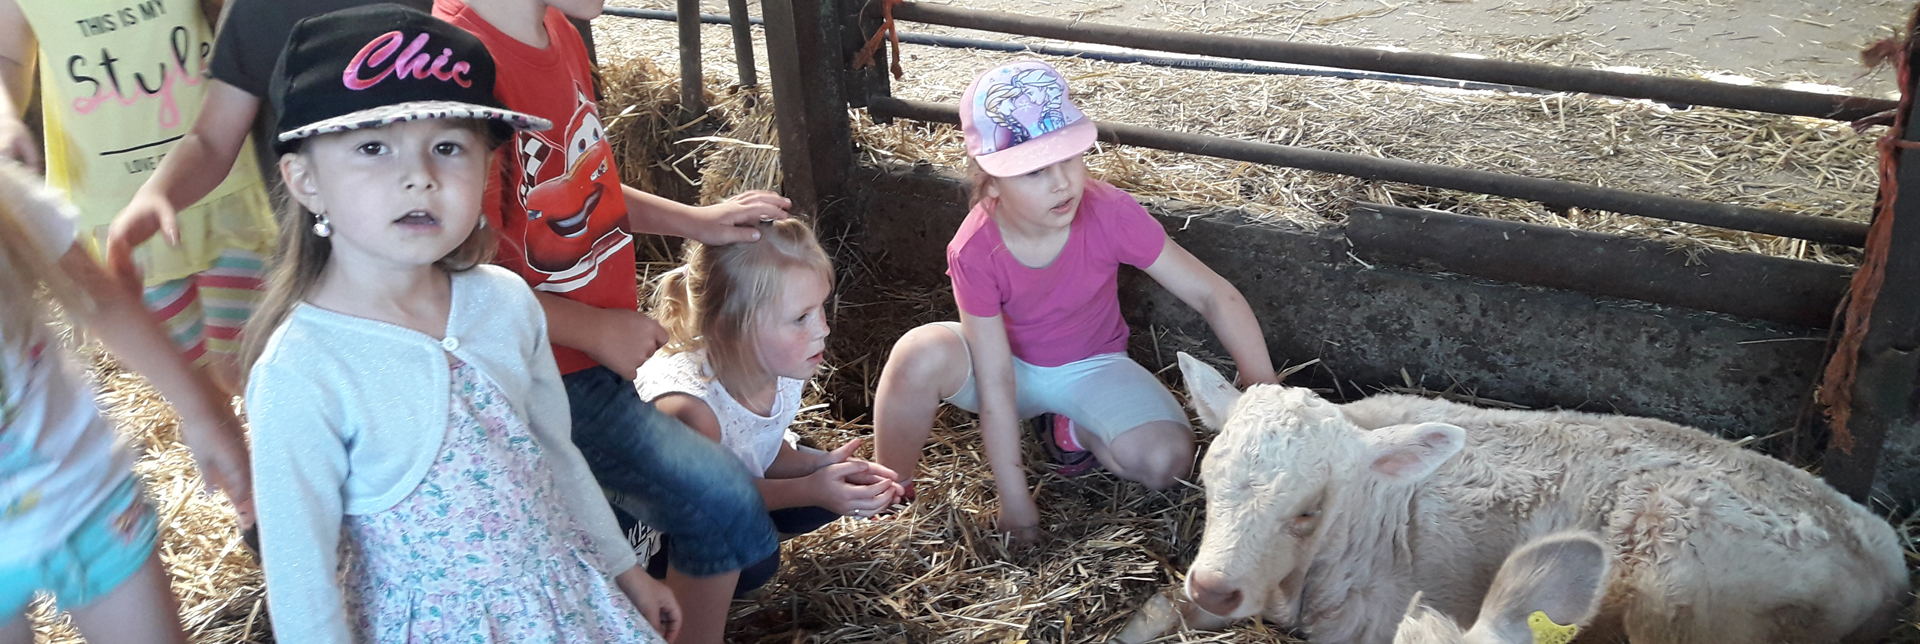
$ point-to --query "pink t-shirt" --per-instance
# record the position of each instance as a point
(1068, 310)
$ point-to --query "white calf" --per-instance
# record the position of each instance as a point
(1329, 518)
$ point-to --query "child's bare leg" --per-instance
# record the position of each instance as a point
(141, 610)
(703, 605)
(928, 364)
(1153, 454)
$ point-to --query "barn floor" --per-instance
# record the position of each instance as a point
(935, 572)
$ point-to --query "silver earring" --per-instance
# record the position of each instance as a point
(320, 226)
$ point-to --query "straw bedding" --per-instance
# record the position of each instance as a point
(935, 572)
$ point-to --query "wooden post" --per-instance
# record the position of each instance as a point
(687, 15)
(1885, 460)
(807, 60)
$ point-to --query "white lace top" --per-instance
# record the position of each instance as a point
(754, 438)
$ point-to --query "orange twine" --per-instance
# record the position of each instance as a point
(1836, 387)
(887, 31)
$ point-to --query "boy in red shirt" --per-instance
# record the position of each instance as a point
(564, 219)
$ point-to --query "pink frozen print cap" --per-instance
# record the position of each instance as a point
(1017, 119)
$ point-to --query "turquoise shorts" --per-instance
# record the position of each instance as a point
(1107, 394)
(102, 553)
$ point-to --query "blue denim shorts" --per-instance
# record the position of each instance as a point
(669, 476)
(791, 522)
(107, 548)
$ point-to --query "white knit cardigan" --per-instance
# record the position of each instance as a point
(348, 413)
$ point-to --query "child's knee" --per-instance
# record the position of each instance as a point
(926, 350)
(931, 359)
(1158, 457)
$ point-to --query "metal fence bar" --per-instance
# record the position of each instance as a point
(692, 98)
(1550, 77)
(1140, 57)
(1559, 193)
(742, 41)
(1749, 285)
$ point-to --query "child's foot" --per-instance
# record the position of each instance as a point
(1055, 433)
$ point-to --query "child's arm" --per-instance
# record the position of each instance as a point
(207, 423)
(1000, 422)
(16, 63)
(196, 165)
(1223, 307)
(832, 480)
(618, 339)
(304, 458)
(654, 599)
(727, 222)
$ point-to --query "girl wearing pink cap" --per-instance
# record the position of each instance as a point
(1035, 269)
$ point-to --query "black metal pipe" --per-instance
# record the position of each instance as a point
(692, 88)
(1549, 77)
(742, 41)
(1562, 193)
(1750, 285)
(1143, 58)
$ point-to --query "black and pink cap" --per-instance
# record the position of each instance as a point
(381, 64)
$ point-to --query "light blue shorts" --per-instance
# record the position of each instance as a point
(104, 551)
(1106, 394)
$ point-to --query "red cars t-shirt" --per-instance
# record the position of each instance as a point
(558, 204)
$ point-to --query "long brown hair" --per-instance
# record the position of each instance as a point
(301, 259)
(713, 300)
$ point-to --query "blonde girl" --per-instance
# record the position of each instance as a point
(1035, 269)
(748, 328)
(412, 435)
(75, 524)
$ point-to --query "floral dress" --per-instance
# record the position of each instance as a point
(479, 552)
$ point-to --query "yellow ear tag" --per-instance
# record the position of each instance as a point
(1547, 632)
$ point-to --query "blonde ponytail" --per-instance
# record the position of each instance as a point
(673, 305)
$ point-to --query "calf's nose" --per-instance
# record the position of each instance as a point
(1212, 592)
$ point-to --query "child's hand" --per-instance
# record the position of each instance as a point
(1019, 518)
(16, 142)
(874, 473)
(734, 220)
(624, 339)
(838, 488)
(221, 453)
(654, 600)
(149, 212)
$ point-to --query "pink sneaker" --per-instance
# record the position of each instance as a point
(1055, 433)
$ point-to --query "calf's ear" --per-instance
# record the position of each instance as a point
(1544, 592)
(1212, 396)
(1411, 453)
(1423, 625)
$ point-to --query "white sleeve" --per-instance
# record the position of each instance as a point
(48, 222)
(552, 421)
(299, 468)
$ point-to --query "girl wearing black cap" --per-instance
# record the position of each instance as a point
(411, 433)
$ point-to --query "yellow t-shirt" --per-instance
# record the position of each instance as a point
(120, 82)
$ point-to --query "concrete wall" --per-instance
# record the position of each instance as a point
(1533, 346)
